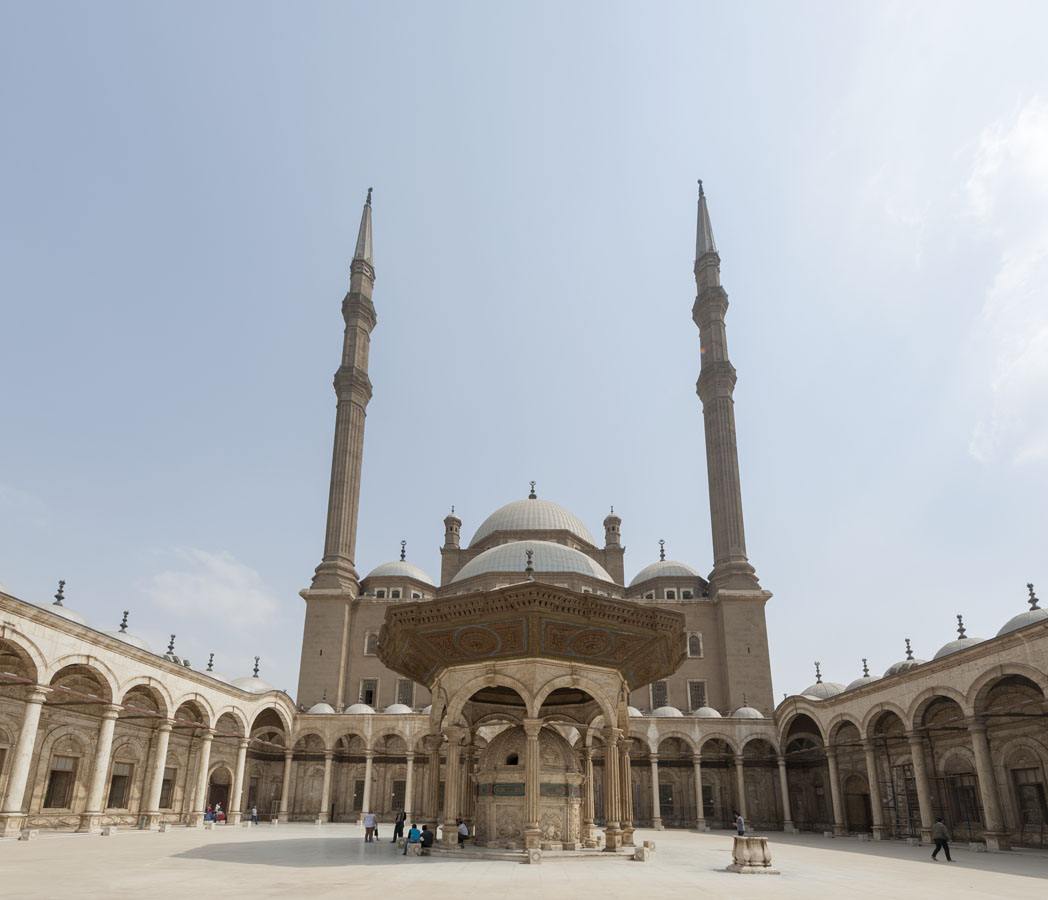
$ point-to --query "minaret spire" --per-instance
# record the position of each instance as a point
(704, 242)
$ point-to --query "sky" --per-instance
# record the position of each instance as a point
(180, 189)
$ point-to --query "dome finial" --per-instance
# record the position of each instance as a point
(529, 568)
(60, 596)
(960, 627)
(403, 550)
(171, 645)
(909, 652)
(702, 193)
(453, 509)
(662, 550)
(368, 201)
(123, 623)
(1033, 601)
(211, 662)
(256, 667)
(865, 668)
(818, 673)
(533, 495)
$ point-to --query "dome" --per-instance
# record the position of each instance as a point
(822, 690)
(321, 709)
(634, 713)
(747, 712)
(426, 710)
(1033, 614)
(706, 712)
(664, 568)
(955, 645)
(128, 638)
(397, 709)
(548, 558)
(532, 515)
(360, 709)
(667, 712)
(904, 665)
(253, 684)
(400, 568)
(860, 682)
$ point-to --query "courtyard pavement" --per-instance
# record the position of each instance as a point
(294, 861)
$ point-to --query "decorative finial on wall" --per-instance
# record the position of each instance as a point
(865, 668)
(256, 666)
(909, 652)
(1033, 601)
(211, 662)
(368, 201)
(818, 673)
(171, 645)
(612, 511)
(662, 550)
(960, 626)
(403, 550)
(533, 495)
(60, 596)
(123, 623)
(529, 568)
(453, 509)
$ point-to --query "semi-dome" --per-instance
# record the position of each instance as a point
(548, 557)
(706, 712)
(634, 713)
(667, 712)
(360, 709)
(321, 709)
(1033, 614)
(533, 514)
(664, 568)
(400, 568)
(747, 712)
(961, 642)
(397, 709)
(253, 684)
(904, 665)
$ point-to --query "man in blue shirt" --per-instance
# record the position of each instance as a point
(414, 837)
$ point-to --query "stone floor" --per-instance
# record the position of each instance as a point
(333, 861)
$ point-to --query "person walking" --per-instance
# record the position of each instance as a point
(254, 815)
(414, 837)
(370, 822)
(740, 824)
(463, 832)
(942, 839)
(398, 825)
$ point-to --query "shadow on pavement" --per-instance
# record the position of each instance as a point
(308, 852)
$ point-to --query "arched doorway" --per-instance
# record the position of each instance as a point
(218, 787)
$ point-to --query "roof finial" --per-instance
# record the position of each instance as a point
(662, 550)
(529, 568)
(909, 652)
(960, 627)
(211, 662)
(704, 242)
(1033, 601)
(171, 645)
(60, 596)
(865, 668)
(123, 623)
(532, 495)
(702, 193)
(256, 667)
(744, 703)
(453, 509)
(612, 510)
(818, 673)
(368, 201)
(403, 550)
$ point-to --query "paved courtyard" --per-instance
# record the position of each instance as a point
(305, 861)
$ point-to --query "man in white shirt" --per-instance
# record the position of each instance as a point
(369, 827)
(463, 832)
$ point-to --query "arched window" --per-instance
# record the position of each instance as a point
(694, 645)
(513, 760)
(371, 644)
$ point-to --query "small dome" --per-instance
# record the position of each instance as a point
(747, 712)
(400, 568)
(904, 665)
(548, 558)
(706, 712)
(128, 638)
(665, 568)
(360, 709)
(634, 713)
(321, 709)
(822, 690)
(860, 682)
(397, 709)
(955, 645)
(66, 613)
(1022, 620)
(253, 684)
(426, 710)
(533, 515)
(667, 712)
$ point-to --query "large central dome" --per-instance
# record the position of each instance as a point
(532, 515)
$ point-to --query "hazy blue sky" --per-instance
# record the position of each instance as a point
(180, 187)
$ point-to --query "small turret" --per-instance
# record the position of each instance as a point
(452, 530)
(612, 530)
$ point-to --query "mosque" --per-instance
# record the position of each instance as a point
(530, 690)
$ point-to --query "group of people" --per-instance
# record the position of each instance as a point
(422, 836)
(214, 813)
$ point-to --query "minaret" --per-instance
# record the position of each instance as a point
(336, 582)
(734, 588)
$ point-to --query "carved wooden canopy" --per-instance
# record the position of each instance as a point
(532, 619)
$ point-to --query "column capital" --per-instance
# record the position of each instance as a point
(739, 761)
(165, 725)
(457, 734)
(207, 735)
(612, 735)
(781, 760)
(288, 753)
(111, 711)
(916, 738)
(654, 759)
(369, 754)
(329, 755)
(696, 759)
(976, 723)
(243, 743)
(532, 727)
(433, 742)
(831, 752)
(38, 693)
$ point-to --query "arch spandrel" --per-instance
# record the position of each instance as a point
(875, 712)
(984, 682)
(919, 705)
(90, 664)
(161, 695)
(461, 695)
(26, 647)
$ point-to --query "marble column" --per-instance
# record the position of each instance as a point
(369, 761)
(784, 788)
(612, 804)
(656, 805)
(700, 810)
(433, 743)
(466, 783)
(150, 817)
(91, 817)
(994, 833)
(835, 790)
(587, 802)
(409, 787)
(740, 788)
(11, 816)
(876, 806)
(920, 776)
(532, 769)
(285, 787)
(203, 764)
(325, 791)
(236, 798)
(626, 792)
